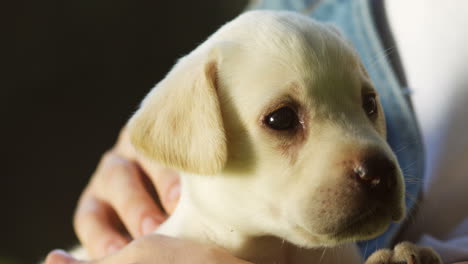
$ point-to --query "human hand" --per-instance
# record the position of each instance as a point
(120, 198)
(156, 249)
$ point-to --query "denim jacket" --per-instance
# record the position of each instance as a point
(361, 23)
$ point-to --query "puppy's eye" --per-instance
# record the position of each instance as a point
(284, 118)
(369, 104)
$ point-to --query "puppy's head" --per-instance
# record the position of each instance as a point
(280, 111)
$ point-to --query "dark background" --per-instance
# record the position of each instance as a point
(78, 71)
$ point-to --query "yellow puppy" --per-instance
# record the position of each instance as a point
(280, 140)
(279, 136)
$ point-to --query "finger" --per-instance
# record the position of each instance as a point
(165, 181)
(98, 227)
(60, 257)
(167, 184)
(124, 189)
(171, 200)
(124, 147)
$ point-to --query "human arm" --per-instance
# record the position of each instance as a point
(155, 248)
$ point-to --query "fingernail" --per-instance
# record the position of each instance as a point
(148, 225)
(112, 248)
(61, 252)
(174, 193)
(59, 256)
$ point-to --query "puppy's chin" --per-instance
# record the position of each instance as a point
(367, 226)
(364, 227)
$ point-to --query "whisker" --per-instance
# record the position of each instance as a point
(409, 142)
(400, 149)
(409, 166)
(413, 181)
(365, 248)
(323, 254)
(411, 218)
(411, 197)
(376, 58)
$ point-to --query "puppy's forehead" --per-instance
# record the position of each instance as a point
(290, 55)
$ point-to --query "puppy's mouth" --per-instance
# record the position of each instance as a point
(362, 218)
(368, 224)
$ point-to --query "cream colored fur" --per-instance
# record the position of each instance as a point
(268, 197)
(244, 188)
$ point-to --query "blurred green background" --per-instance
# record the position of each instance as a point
(78, 69)
(8, 261)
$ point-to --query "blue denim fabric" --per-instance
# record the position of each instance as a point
(354, 18)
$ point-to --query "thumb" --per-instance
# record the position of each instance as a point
(167, 184)
(60, 257)
(172, 197)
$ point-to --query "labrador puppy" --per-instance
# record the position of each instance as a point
(280, 139)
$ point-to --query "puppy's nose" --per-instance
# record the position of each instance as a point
(375, 170)
(363, 175)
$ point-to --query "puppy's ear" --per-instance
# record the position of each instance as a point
(179, 123)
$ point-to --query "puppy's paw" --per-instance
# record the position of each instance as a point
(405, 252)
